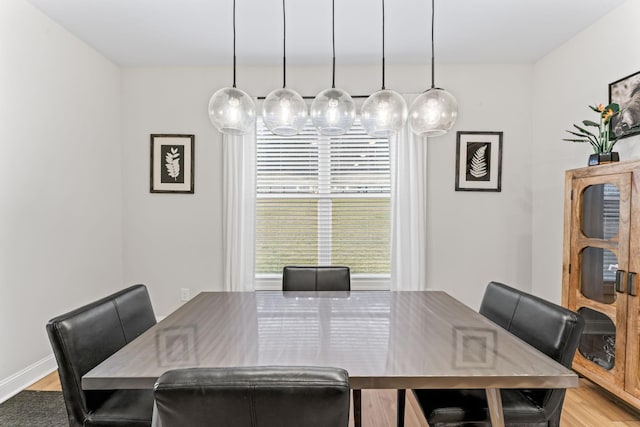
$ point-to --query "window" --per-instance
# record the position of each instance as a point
(323, 201)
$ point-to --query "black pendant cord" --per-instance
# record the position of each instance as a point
(333, 41)
(433, 68)
(383, 88)
(284, 46)
(234, 43)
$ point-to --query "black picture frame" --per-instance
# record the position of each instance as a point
(172, 163)
(626, 93)
(479, 161)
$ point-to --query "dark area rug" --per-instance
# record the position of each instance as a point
(34, 409)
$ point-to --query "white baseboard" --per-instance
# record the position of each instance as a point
(17, 382)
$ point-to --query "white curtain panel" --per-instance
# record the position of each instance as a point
(408, 210)
(238, 216)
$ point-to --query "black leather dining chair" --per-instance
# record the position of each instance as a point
(253, 396)
(552, 329)
(322, 278)
(83, 338)
(316, 278)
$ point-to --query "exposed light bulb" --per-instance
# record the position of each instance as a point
(232, 111)
(383, 113)
(284, 112)
(333, 112)
(433, 113)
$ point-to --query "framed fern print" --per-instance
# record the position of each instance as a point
(172, 160)
(478, 161)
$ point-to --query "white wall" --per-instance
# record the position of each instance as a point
(476, 237)
(60, 183)
(174, 241)
(566, 81)
(171, 240)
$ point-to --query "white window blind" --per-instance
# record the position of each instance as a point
(610, 224)
(322, 201)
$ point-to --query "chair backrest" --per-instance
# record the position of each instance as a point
(316, 278)
(550, 328)
(250, 396)
(83, 338)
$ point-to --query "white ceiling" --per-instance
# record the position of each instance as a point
(199, 32)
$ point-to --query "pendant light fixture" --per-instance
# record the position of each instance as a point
(384, 112)
(231, 110)
(333, 110)
(435, 111)
(284, 111)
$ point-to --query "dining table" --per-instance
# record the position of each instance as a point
(384, 339)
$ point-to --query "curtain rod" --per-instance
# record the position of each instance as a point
(313, 97)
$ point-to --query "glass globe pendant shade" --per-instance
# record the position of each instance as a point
(383, 113)
(232, 111)
(284, 112)
(333, 112)
(433, 113)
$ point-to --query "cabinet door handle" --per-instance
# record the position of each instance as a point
(631, 284)
(619, 287)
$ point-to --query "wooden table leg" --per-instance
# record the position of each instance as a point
(357, 408)
(402, 393)
(495, 407)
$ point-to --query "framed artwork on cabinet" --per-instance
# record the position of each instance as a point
(626, 93)
(172, 163)
(478, 161)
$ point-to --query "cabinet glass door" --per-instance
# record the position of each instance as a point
(598, 272)
(601, 211)
(598, 342)
(599, 261)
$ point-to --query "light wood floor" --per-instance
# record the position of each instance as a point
(585, 406)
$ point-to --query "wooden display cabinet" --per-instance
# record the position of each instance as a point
(601, 269)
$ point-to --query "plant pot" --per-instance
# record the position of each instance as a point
(603, 158)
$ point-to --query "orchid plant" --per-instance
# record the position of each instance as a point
(604, 140)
